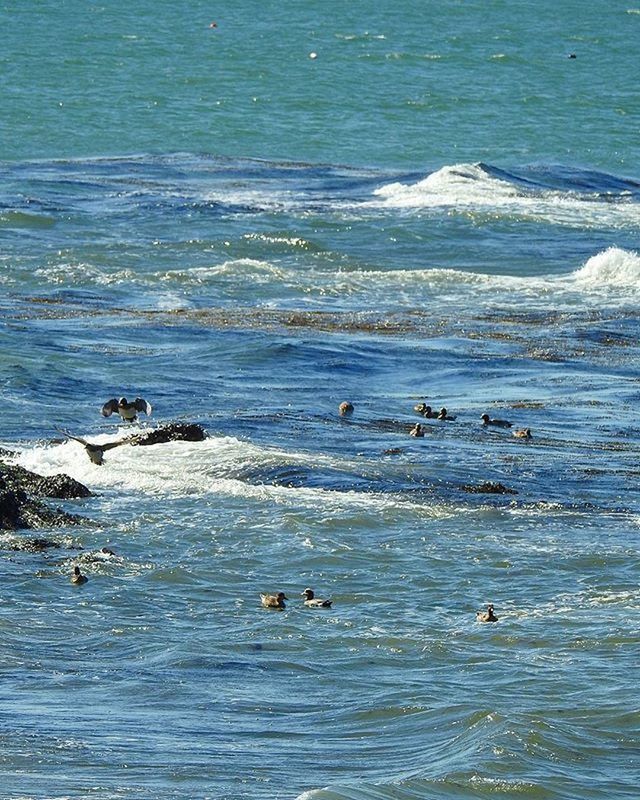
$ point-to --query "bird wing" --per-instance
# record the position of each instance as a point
(111, 445)
(71, 436)
(142, 405)
(109, 407)
(91, 445)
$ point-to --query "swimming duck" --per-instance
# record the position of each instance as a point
(497, 423)
(442, 415)
(273, 600)
(486, 616)
(315, 602)
(420, 408)
(429, 413)
(345, 408)
(523, 434)
(417, 430)
(128, 411)
(78, 578)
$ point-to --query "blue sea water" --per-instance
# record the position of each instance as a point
(440, 205)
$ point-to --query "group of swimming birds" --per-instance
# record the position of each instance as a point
(276, 601)
(129, 412)
(345, 409)
(310, 600)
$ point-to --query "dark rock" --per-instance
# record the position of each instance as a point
(59, 486)
(34, 545)
(19, 510)
(172, 432)
(20, 506)
(489, 487)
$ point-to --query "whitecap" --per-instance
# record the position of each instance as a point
(611, 267)
(470, 189)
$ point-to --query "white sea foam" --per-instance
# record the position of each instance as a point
(612, 273)
(216, 466)
(81, 273)
(470, 189)
(466, 184)
(249, 268)
(612, 267)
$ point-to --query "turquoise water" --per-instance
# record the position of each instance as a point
(412, 85)
(439, 206)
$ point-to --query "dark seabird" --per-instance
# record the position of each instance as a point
(314, 602)
(128, 411)
(94, 451)
(497, 423)
(486, 616)
(417, 430)
(78, 578)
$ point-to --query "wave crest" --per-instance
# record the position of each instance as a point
(467, 184)
(612, 267)
(480, 189)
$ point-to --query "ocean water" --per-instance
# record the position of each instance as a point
(441, 205)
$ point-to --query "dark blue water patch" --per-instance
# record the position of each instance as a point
(151, 182)
(559, 177)
(85, 180)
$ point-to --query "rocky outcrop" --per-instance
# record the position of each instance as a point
(21, 510)
(172, 432)
(33, 544)
(21, 490)
(60, 486)
(20, 504)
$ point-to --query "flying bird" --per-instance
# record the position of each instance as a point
(94, 451)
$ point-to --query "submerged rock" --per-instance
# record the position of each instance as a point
(34, 545)
(489, 487)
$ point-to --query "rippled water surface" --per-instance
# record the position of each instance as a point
(440, 207)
